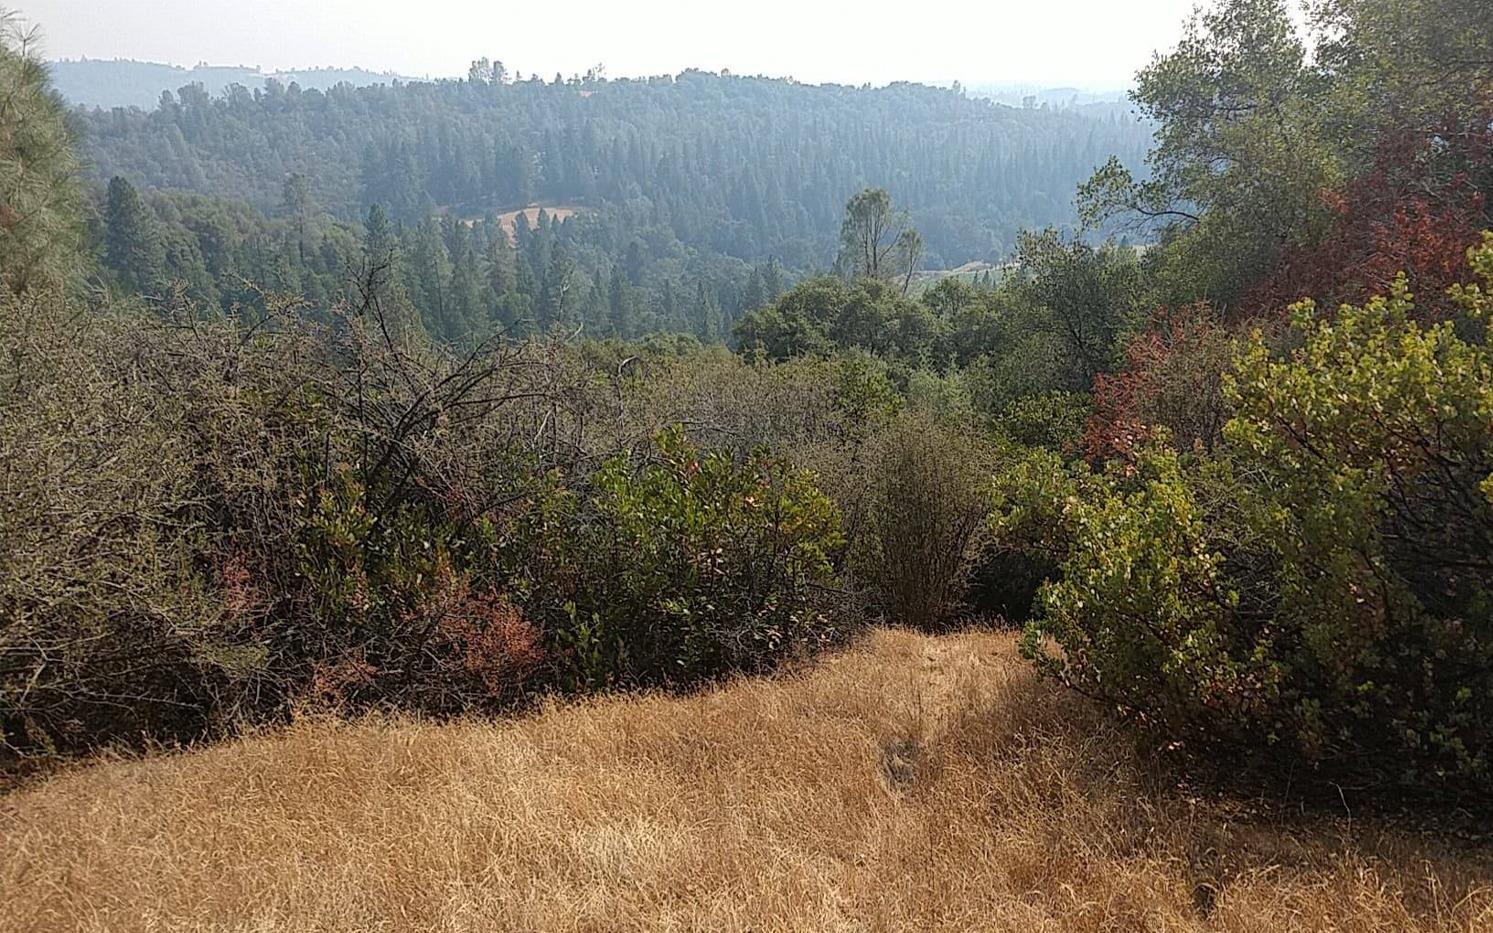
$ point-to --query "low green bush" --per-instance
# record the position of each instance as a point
(1053, 419)
(683, 567)
(1318, 591)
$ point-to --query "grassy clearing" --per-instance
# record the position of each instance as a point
(509, 219)
(910, 783)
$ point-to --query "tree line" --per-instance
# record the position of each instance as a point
(750, 168)
(461, 280)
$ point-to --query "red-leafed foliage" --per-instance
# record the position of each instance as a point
(1421, 205)
(485, 649)
(457, 647)
(242, 594)
(1417, 210)
(1172, 379)
(334, 681)
(492, 643)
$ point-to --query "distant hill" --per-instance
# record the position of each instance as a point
(1031, 95)
(749, 168)
(126, 83)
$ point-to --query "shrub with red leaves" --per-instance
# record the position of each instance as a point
(1417, 210)
(1172, 379)
(491, 644)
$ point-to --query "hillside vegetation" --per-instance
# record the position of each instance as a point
(674, 203)
(912, 783)
(745, 167)
(319, 501)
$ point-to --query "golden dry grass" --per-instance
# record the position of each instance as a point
(912, 783)
(508, 220)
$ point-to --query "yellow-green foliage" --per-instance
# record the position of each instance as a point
(1321, 587)
(698, 563)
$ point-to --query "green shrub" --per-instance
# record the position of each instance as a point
(1318, 590)
(925, 514)
(683, 567)
(207, 523)
(1053, 419)
(404, 617)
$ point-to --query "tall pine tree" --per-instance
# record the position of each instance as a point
(133, 250)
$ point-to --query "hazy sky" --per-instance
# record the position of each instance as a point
(1093, 43)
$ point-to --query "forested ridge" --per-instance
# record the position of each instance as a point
(748, 167)
(674, 204)
(128, 83)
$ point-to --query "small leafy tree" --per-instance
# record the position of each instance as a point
(877, 241)
(1086, 296)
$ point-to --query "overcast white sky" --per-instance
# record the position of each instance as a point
(1090, 43)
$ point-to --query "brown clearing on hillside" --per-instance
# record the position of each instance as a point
(911, 783)
(508, 220)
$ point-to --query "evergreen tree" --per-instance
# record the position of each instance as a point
(298, 208)
(132, 243)
(595, 314)
(669, 307)
(619, 305)
(467, 295)
(635, 263)
(556, 301)
(754, 295)
(772, 280)
(429, 276)
(381, 243)
(40, 209)
(501, 261)
(711, 325)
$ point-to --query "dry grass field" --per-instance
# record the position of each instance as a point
(911, 783)
(509, 219)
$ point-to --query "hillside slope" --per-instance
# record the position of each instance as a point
(748, 167)
(911, 783)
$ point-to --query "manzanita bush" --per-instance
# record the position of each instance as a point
(1319, 588)
(689, 565)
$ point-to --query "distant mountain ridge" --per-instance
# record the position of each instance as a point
(1037, 95)
(127, 83)
(747, 167)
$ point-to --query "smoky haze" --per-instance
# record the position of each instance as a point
(1089, 43)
